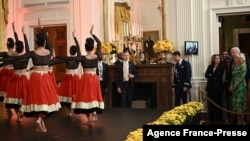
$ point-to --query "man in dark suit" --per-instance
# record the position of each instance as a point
(148, 47)
(126, 74)
(182, 77)
(103, 73)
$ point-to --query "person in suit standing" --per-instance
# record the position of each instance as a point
(214, 88)
(182, 77)
(103, 73)
(126, 75)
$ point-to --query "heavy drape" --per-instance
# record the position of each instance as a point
(3, 21)
(122, 19)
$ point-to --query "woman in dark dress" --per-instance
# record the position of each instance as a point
(214, 88)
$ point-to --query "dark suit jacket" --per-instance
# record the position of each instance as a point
(214, 78)
(182, 75)
(105, 76)
(119, 78)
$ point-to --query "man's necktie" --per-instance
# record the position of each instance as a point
(125, 71)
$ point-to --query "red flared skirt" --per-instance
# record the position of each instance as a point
(5, 75)
(68, 87)
(42, 96)
(89, 95)
(19, 86)
(53, 78)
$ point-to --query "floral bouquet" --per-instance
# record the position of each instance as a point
(109, 48)
(163, 46)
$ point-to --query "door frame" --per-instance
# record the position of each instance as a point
(236, 33)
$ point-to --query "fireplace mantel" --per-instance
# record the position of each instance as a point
(161, 74)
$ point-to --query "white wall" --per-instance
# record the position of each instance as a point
(75, 14)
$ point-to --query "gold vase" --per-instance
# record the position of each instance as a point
(106, 58)
(163, 57)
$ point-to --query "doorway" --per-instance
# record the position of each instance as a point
(58, 39)
(234, 31)
(242, 39)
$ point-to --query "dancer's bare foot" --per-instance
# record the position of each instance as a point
(39, 125)
(19, 116)
(43, 126)
(94, 117)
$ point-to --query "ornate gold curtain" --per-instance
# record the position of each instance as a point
(3, 21)
(122, 19)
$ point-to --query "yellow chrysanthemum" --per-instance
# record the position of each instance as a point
(176, 116)
(108, 47)
(163, 45)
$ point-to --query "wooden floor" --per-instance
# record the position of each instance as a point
(113, 124)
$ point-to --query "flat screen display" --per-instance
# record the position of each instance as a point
(191, 47)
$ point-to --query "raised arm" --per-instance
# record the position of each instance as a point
(27, 49)
(48, 44)
(98, 50)
(14, 30)
(77, 45)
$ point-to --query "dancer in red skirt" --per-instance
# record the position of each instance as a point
(88, 97)
(50, 70)
(14, 95)
(71, 79)
(42, 100)
(6, 71)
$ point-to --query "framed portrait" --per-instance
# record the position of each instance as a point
(154, 35)
(149, 38)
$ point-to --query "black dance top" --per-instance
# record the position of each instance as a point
(69, 61)
(17, 63)
(38, 60)
(92, 63)
(85, 62)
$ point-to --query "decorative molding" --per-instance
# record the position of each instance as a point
(232, 3)
(42, 3)
(241, 1)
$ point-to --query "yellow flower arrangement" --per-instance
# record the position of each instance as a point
(163, 45)
(176, 116)
(108, 47)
